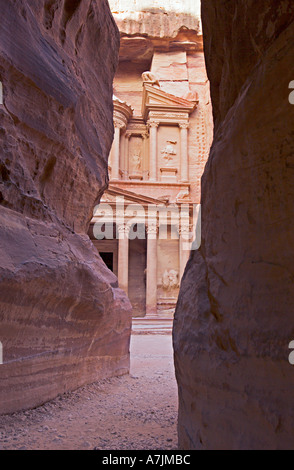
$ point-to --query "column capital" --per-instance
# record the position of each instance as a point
(184, 125)
(186, 233)
(119, 124)
(153, 124)
(152, 228)
(184, 229)
(123, 228)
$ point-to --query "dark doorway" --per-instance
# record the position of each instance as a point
(108, 260)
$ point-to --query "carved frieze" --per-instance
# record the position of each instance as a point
(168, 115)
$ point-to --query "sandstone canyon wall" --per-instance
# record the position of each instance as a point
(63, 320)
(156, 18)
(234, 318)
(161, 25)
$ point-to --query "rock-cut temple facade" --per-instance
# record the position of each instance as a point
(146, 223)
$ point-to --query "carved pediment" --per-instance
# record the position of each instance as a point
(112, 194)
(155, 99)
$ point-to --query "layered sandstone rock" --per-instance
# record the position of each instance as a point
(234, 318)
(63, 320)
(161, 25)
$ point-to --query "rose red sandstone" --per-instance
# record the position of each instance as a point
(64, 322)
(234, 318)
(156, 25)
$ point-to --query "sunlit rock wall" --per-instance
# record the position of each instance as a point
(63, 320)
(234, 318)
(156, 18)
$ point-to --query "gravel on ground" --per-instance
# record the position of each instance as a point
(133, 412)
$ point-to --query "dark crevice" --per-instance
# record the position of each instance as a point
(70, 7)
(48, 170)
(4, 173)
(49, 12)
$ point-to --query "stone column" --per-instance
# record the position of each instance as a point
(145, 156)
(184, 248)
(116, 151)
(122, 113)
(151, 272)
(153, 150)
(118, 127)
(126, 159)
(123, 257)
(184, 152)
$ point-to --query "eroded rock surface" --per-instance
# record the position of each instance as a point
(156, 25)
(64, 322)
(234, 318)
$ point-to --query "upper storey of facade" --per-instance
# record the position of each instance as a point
(162, 112)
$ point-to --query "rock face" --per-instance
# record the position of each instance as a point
(234, 318)
(63, 320)
(161, 25)
(156, 18)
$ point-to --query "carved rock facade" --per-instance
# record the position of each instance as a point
(163, 129)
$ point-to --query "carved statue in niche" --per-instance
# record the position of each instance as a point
(136, 158)
(150, 78)
(137, 162)
(169, 151)
(170, 279)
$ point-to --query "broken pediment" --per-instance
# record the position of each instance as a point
(155, 99)
(116, 194)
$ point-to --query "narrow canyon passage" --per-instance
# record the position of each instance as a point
(136, 411)
(146, 178)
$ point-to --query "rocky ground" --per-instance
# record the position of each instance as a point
(138, 411)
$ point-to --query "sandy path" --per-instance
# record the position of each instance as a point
(131, 412)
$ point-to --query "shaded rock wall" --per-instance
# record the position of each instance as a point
(234, 318)
(63, 320)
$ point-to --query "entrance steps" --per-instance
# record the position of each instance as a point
(152, 325)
